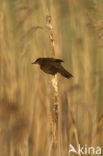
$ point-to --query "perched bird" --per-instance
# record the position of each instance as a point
(52, 66)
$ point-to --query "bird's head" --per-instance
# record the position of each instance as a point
(37, 61)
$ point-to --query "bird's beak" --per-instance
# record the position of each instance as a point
(34, 62)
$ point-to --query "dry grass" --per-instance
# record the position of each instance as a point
(26, 94)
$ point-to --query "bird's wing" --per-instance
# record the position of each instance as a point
(58, 60)
(63, 71)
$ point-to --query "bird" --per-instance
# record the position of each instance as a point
(52, 66)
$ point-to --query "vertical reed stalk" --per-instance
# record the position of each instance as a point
(54, 82)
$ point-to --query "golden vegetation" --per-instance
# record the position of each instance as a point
(26, 93)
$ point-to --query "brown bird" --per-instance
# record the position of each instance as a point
(52, 66)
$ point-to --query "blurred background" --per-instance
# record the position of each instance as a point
(26, 92)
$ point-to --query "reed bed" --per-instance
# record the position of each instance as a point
(27, 96)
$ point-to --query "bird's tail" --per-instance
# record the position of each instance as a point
(65, 73)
